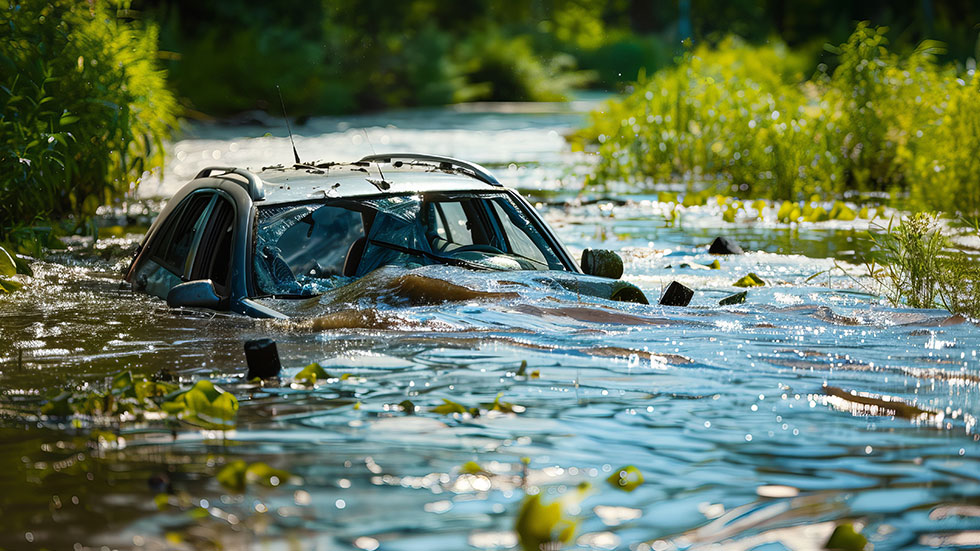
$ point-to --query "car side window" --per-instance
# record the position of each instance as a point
(178, 238)
(213, 257)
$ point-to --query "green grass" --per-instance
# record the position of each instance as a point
(922, 269)
(84, 110)
(757, 122)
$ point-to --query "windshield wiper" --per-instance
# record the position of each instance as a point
(426, 254)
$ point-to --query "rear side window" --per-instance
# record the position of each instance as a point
(183, 229)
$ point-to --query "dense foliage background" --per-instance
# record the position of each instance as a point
(84, 109)
(85, 105)
(338, 56)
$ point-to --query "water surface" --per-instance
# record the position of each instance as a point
(757, 426)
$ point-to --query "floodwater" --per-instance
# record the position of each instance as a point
(761, 425)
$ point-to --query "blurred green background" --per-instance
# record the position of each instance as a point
(90, 91)
(340, 56)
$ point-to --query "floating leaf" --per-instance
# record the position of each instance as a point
(311, 374)
(846, 538)
(7, 265)
(503, 407)
(448, 407)
(715, 265)
(750, 280)
(9, 286)
(204, 405)
(471, 467)
(407, 406)
(232, 476)
(626, 478)
(541, 526)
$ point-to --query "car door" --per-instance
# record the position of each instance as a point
(167, 262)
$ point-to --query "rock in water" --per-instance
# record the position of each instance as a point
(676, 295)
(724, 245)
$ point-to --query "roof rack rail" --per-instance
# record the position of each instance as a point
(255, 187)
(445, 163)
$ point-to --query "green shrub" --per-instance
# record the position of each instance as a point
(921, 268)
(746, 116)
(83, 108)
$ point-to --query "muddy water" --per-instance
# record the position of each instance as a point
(757, 426)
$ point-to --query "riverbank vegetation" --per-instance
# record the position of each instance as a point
(751, 120)
(84, 111)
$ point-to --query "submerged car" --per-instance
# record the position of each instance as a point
(244, 242)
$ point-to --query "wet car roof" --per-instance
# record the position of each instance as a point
(338, 180)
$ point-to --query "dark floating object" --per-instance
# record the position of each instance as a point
(676, 295)
(737, 298)
(724, 245)
(263, 359)
(603, 263)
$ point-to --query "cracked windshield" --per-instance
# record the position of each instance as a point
(523, 276)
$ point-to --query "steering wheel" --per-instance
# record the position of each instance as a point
(477, 248)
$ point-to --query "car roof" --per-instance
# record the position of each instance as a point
(290, 184)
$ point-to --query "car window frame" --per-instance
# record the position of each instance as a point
(158, 248)
(208, 230)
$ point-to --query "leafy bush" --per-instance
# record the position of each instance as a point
(746, 116)
(922, 270)
(83, 108)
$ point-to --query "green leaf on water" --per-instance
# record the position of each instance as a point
(497, 405)
(541, 526)
(471, 467)
(237, 475)
(626, 478)
(204, 405)
(750, 280)
(407, 406)
(715, 265)
(9, 286)
(311, 374)
(448, 407)
(7, 265)
(162, 501)
(232, 476)
(846, 538)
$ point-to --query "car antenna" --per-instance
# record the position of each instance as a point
(288, 129)
(368, 138)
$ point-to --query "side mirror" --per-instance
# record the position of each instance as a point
(602, 263)
(200, 293)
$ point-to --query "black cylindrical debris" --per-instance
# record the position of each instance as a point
(676, 295)
(724, 245)
(263, 359)
(601, 262)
